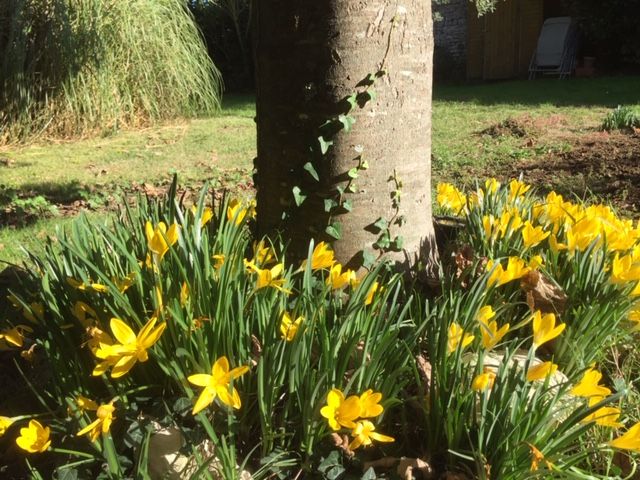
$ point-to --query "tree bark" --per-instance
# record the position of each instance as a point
(310, 57)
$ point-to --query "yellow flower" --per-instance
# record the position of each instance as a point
(263, 254)
(451, 198)
(34, 438)
(516, 268)
(15, 336)
(321, 258)
(218, 384)
(624, 269)
(541, 370)
(184, 294)
(483, 381)
(555, 246)
(544, 328)
(101, 424)
(456, 338)
(96, 287)
(84, 313)
(289, 329)
(517, 189)
(236, 212)
(207, 215)
(370, 404)
(488, 223)
(268, 277)
(131, 349)
(85, 403)
(510, 221)
(485, 314)
(634, 316)
(491, 185)
(535, 262)
(123, 284)
(537, 457)
(589, 385)
(97, 338)
(5, 423)
(338, 279)
(364, 433)
(341, 412)
(218, 261)
(604, 416)
(532, 235)
(35, 312)
(372, 291)
(491, 335)
(630, 440)
(159, 239)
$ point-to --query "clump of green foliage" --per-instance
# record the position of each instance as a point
(70, 68)
(174, 322)
(621, 118)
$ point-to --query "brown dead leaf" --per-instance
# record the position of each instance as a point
(424, 367)
(152, 190)
(256, 350)
(408, 466)
(543, 294)
(342, 442)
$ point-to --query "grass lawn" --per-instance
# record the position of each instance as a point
(528, 127)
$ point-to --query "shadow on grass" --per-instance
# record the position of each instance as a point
(602, 91)
(20, 207)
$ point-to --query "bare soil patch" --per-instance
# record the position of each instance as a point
(606, 165)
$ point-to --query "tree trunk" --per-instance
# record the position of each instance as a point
(310, 57)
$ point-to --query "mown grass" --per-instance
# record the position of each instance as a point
(209, 148)
(460, 114)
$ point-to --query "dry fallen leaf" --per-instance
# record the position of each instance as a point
(543, 294)
(342, 442)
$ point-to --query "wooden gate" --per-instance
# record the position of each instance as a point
(500, 44)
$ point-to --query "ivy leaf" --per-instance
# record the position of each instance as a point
(368, 258)
(347, 205)
(370, 474)
(353, 173)
(384, 241)
(324, 144)
(298, 196)
(352, 100)
(67, 474)
(364, 165)
(398, 243)
(329, 204)
(401, 220)
(381, 223)
(347, 122)
(312, 171)
(340, 189)
(351, 188)
(334, 230)
(366, 97)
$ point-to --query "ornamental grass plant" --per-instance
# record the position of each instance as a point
(173, 342)
(75, 67)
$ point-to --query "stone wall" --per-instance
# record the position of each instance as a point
(450, 36)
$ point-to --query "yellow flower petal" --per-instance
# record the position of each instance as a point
(122, 331)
